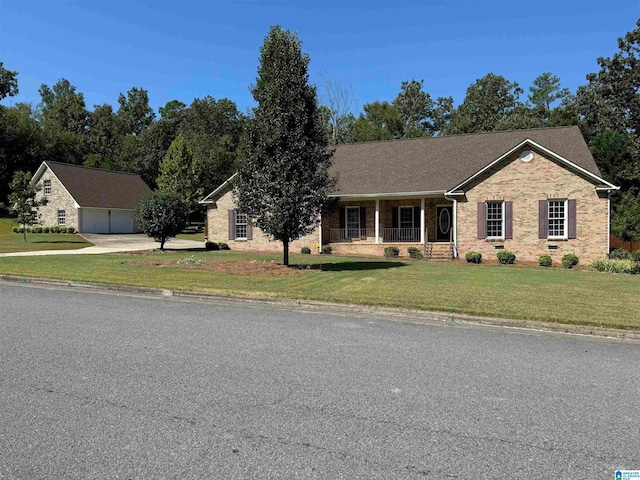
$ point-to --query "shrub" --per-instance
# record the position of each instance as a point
(55, 229)
(619, 254)
(616, 266)
(16, 230)
(305, 251)
(45, 229)
(37, 229)
(190, 261)
(545, 260)
(415, 252)
(21, 230)
(211, 245)
(391, 252)
(473, 257)
(505, 257)
(327, 249)
(223, 246)
(635, 256)
(63, 229)
(71, 230)
(569, 260)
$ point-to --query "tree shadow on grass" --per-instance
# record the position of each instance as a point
(70, 242)
(350, 266)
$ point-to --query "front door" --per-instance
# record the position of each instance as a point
(444, 223)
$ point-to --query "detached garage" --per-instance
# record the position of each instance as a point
(89, 199)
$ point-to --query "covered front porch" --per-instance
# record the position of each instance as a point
(359, 224)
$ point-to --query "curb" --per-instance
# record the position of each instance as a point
(393, 314)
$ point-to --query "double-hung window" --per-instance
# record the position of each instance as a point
(352, 222)
(47, 187)
(495, 219)
(241, 225)
(557, 218)
(62, 217)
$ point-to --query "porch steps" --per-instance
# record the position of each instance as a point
(440, 251)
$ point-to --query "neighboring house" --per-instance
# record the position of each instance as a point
(89, 199)
(532, 192)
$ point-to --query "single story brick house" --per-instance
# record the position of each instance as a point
(89, 199)
(532, 192)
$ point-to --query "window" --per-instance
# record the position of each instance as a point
(557, 219)
(47, 187)
(406, 217)
(495, 219)
(62, 220)
(241, 226)
(353, 222)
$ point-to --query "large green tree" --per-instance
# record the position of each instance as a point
(104, 138)
(416, 108)
(283, 180)
(380, 121)
(545, 90)
(134, 110)
(180, 173)
(23, 202)
(8, 82)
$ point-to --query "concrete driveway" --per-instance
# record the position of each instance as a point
(114, 244)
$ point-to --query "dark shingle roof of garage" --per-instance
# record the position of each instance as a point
(442, 163)
(93, 187)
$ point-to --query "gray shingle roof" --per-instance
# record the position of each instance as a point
(93, 187)
(442, 163)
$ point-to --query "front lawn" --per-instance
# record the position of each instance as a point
(14, 242)
(543, 294)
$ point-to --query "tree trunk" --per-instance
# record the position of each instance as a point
(162, 243)
(285, 260)
(24, 232)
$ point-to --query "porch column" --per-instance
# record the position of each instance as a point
(422, 239)
(377, 221)
(455, 228)
(320, 234)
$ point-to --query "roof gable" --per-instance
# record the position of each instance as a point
(93, 187)
(441, 164)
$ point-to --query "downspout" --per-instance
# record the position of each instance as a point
(320, 234)
(608, 221)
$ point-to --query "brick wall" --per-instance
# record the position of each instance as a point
(58, 200)
(525, 184)
(218, 231)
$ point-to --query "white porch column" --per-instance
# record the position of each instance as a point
(320, 234)
(377, 221)
(422, 239)
(455, 228)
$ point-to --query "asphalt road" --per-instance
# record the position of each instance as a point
(114, 387)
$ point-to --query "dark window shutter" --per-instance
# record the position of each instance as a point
(543, 219)
(343, 219)
(394, 217)
(416, 217)
(508, 219)
(482, 222)
(249, 229)
(571, 224)
(363, 217)
(232, 224)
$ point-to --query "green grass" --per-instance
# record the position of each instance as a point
(191, 235)
(542, 294)
(14, 242)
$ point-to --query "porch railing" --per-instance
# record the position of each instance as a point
(348, 234)
(387, 235)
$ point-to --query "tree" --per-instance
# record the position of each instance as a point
(545, 89)
(8, 83)
(179, 173)
(172, 110)
(416, 108)
(488, 101)
(134, 110)
(22, 200)
(283, 180)
(380, 121)
(626, 222)
(62, 108)
(103, 138)
(338, 103)
(161, 215)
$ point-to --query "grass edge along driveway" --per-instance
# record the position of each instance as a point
(528, 293)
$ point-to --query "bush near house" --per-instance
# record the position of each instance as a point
(473, 257)
(569, 260)
(224, 246)
(211, 245)
(505, 257)
(635, 256)
(619, 254)
(327, 250)
(545, 261)
(391, 252)
(609, 265)
(305, 251)
(415, 252)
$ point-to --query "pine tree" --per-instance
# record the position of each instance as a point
(284, 180)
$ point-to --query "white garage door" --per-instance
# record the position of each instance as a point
(121, 221)
(95, 220)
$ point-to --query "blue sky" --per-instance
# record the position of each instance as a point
(186, 49)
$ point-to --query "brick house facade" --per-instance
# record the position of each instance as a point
(532, 192)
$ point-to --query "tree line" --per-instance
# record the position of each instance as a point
(192, 149)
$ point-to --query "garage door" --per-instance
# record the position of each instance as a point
(95, 220)
(121, 221)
